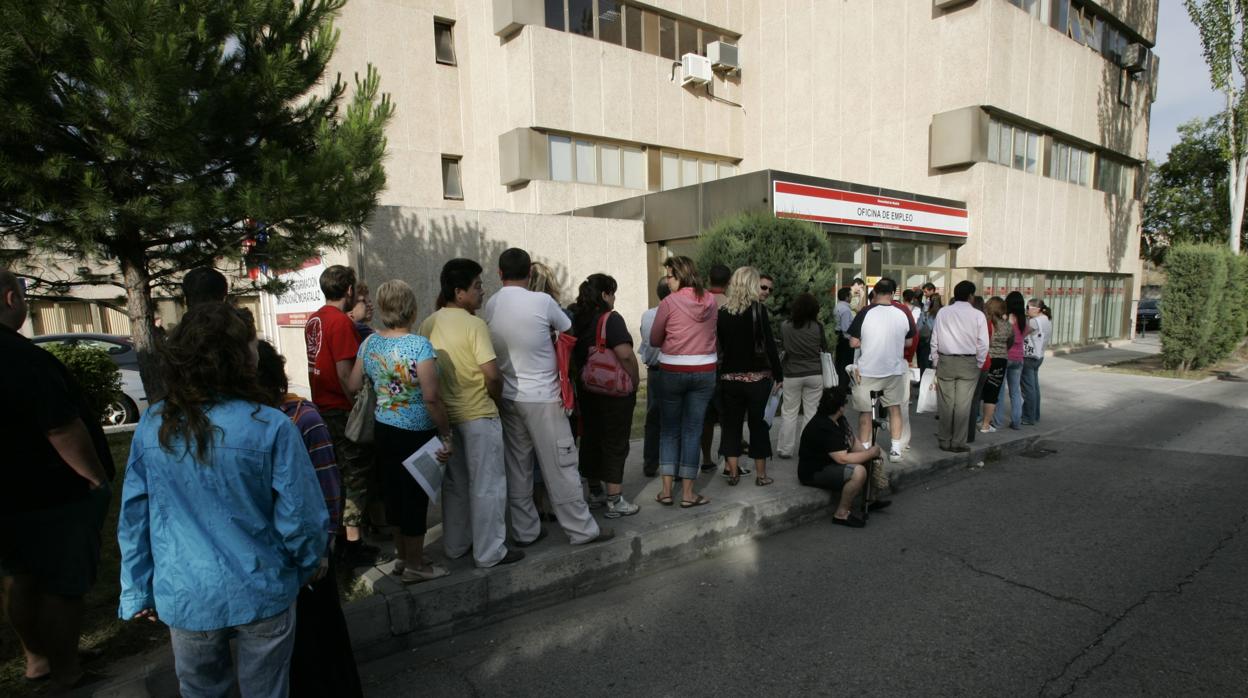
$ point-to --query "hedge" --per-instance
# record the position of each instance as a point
(797, 255)
(96, 373)
(1204, 305)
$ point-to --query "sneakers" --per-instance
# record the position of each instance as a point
(541, 533)
(619, 506)
(988, 430)
(596, 500)
(894, 453)
(604, 535)
(511, 557)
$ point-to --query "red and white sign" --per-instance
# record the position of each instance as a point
(824, 205)
(302, 297)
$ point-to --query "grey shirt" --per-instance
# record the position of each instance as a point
(844, 316)
(801, 349)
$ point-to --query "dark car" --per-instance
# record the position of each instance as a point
(133, 400)
(1148, 315)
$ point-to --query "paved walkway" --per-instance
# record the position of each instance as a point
(1074, 393)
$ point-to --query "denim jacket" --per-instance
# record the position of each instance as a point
(224, 543)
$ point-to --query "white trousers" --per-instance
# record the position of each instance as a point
(474, 493)
(541, 428)
(801, 392)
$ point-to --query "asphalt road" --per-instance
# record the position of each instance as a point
(1115, 566)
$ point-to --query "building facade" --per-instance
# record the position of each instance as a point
(1031, 116)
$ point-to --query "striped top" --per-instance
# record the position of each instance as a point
(321, 450)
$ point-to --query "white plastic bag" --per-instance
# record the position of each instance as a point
(829, 370)
(769, 412)
(927, 392)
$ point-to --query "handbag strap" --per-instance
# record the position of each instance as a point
(601, 340)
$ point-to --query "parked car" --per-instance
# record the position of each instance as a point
(133, 400)
(1148, 315)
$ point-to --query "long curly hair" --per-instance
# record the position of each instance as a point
(589, 303)
(744, 290)
(206, 360)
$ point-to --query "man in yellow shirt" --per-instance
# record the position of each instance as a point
(474, 492)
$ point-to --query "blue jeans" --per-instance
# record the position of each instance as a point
(1013, 379)
(1031, 390)
(682, 408)
(205, 669)
(654, 388)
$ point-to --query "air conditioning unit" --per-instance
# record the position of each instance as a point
(695, 69)
(723, 55)
(1135, 58)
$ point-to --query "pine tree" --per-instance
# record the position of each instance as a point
(144, 136)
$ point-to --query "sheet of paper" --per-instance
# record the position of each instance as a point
(425, 468)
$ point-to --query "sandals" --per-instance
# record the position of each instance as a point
(734, 479)
(763, 481)
(665, 501)
(416, 576)
(686, 504)
(741, 470)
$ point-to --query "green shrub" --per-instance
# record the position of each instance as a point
(1205, 316)
(97, 375)
(797, 255)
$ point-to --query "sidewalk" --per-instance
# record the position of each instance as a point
(658, 537)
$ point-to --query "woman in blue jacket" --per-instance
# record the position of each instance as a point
(222, 519)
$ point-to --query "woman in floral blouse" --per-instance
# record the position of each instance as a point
(402, 368)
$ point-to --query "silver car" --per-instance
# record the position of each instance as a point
(133, 400)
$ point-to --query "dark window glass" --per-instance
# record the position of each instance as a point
(554, 15)
(1059, 17)
(581, 17)
(707, 37)
(610, 21)
(688, 39)
(632, 28)
(444, 42)
(667, 37)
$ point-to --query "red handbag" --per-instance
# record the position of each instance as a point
(564, 344)
(603, 374)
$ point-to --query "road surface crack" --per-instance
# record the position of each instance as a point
(1170, 591)
(1022, 585)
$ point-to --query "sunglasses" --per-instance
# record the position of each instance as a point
(766, 288)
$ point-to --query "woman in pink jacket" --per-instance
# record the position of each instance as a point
(684, 332)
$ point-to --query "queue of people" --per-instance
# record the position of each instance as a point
(241, 499)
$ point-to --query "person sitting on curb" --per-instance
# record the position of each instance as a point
(831, 457)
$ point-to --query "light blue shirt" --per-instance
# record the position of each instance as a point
(844, 316)
(224, 543)
(390, 363)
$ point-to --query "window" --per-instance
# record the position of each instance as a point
(1031, 7)
(444, 41)
(708, 171)
(1114, 177)
(670, 171)
(679, 170)
(452, 188)
(667, 37)
(727, 170)
(554, 15)
(561, 158)
(688, 171)
(688, 39)
(590, 162)
(581, 17)
(634, 162)
(1012, 146)
(1068, 163)
(610, 166)
(632, 28)
(610, 22)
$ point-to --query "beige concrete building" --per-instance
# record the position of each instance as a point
(1023, 122)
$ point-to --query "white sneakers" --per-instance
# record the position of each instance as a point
(894, 453)
(620, 507)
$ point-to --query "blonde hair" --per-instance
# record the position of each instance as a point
(994, 308)
(686, 273)
(743, 290)
(396, 304)
(542, 280)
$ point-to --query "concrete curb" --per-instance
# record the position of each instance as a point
(398, 617)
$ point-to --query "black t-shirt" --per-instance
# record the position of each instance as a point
(821, 437)
(587, 336)
(39, 395)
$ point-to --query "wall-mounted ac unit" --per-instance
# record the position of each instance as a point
(695, 69)
(1135, 58)
(723, 55)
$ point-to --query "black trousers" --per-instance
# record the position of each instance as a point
(844, 357)
(742, 401)
(407, 504)
(322, 663)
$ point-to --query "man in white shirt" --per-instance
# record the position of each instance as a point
(880, 332)
(959, 348)
(649, 356)
(522, 324)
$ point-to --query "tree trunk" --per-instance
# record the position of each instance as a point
(1238, 190)
(142, 313)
